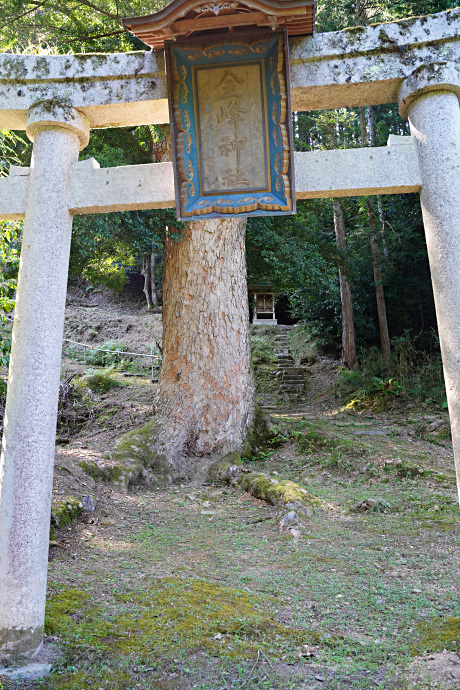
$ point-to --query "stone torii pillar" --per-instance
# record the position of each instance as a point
(27, 459)
(429, 98)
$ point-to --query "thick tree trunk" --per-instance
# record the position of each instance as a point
(373, 242)
(147, 273)
(205, 403)
(206, 386)
(348, 323)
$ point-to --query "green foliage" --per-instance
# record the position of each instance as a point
(104, 359)
(409, 372)
(29, 26)
(10, 238)
(100, 381)
(332, 15)
(262, 350)
(106, 245)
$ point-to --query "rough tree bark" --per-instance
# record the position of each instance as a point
(348, 322)
(374, 246)
(205, 404)
(206, 382)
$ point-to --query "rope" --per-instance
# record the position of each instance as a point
(100, 349)
(113, 352)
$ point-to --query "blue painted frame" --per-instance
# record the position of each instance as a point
(183, 58)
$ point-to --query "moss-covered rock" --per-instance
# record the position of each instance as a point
(222, 470)
(278, 492)
(133, 461)
(63, 511)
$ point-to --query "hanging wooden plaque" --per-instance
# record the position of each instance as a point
(231, 125)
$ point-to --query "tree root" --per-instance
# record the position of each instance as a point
(160, 453)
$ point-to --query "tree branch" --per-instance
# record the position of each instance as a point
(15, 19)
(97, 9)
(91, 38)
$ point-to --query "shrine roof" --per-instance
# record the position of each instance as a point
(185, 18)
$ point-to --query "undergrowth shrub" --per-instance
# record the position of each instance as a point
(262, 350)
(100, 381)
(75, 407)
(104, 359)
(408, 372)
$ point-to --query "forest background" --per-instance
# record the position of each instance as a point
(355, 271)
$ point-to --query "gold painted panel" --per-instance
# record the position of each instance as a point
(231, 128)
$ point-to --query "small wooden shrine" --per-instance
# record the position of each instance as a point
(264, 305)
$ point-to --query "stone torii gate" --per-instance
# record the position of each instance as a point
(58, 99)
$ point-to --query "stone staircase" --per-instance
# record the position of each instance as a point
(292, 380)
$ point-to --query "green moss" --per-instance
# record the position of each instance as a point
(49, 105)
(313, 441)
(191, 614)
(42, 66)
(118, 680)
(91, 468)
(64, 606)
(438, 634)
(275, 492)
(14, 69)
(64, 511)
(258, 434)
(137, 460)
(218, 469)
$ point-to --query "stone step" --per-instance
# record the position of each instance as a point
(286, 372)
(292, 389)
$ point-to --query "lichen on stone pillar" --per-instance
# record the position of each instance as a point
(57, 113)
(429, 98)
(27, 458)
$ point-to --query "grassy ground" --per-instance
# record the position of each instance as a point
(194, 586)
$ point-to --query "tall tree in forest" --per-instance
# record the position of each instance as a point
(206, 389)
(348, 322)
(332, 130)
(374, 244)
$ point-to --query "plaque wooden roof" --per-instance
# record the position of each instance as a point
(185, 18)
